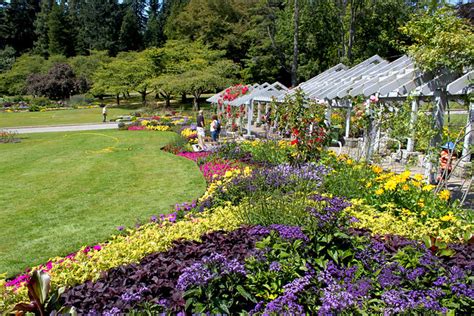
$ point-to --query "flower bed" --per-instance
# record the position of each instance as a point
(304, 252)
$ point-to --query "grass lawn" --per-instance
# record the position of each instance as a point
(59, 117)
(61, 191)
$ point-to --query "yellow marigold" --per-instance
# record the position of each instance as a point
(418, 177)
(145, 123)
(416, 184)
(424, 213)
(368, 185)
(405, 187)
(421, 203)
(447, 218)
(379, 191)
(390, 185)
(444, 195)
(349, 161)
(377, 169)
(428, 187)
(405, 175)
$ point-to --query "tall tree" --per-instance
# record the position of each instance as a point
(440, 40)
(59, 37)
(100, 22)
(19, 23)
(41, 28)
(296, 23)
(130, 35)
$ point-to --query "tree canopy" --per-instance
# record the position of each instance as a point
(200, 45)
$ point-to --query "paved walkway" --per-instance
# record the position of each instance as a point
(61, 128)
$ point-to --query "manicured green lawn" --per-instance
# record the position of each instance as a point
(59, 117)
(61, 191)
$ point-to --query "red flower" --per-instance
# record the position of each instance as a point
(296, 132)
(294, 142)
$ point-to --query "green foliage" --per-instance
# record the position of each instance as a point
(304, 121)
(13, 82)
(130, 36)
(266, 208)
(440, 40)
(267, 284)
(189, 67)
(59, 36)
(7, 58)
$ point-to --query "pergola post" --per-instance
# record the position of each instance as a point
(468, 133)
(259, 113)
(368, 132)
(441, 101)
(348, 120)
(413, 118)
(329, 113)
(249, 117)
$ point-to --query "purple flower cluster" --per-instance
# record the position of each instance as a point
(388, 276)
(282, 177)
(195, 275)
(373, 255)
(275, 266)
(285, 231)
(399, 301)
(287, 304)
(112, 312)
(200, 273)
(343, 289)
(330, 211)
(185, 206)
(132, 296)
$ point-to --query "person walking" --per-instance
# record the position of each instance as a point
(104, 114)
(200, 130)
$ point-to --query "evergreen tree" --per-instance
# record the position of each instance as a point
(3, 25)
(153, 36)
(99, 28)
(130, 36)
(41, 28)
(19, 19)
(58, 32)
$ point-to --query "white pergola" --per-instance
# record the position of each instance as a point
(258, 93)
(388, 82)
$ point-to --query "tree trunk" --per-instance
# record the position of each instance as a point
(294, 65)
(183, 97)
(168, 100)
(196, 96)
(117, 97)
(143, 94)
(354, 4)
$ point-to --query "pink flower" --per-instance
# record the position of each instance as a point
(97, 247)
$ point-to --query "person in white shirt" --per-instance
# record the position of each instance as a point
(104, 113)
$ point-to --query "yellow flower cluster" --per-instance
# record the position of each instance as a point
(444, 195)
(187, 133)
(228, 176)
(161, 128)
(145, 122)
(447, 228)
(182, 120)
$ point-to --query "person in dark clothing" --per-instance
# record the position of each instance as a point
(200, 130)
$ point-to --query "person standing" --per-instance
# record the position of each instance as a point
(104, 114)
(200, 130)
(215, 126)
